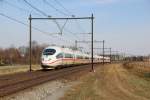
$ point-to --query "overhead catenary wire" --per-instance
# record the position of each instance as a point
(43, 13)
(19, 8)
(71, 14)
(20, 22)
(59, 11)
(50, 5)
(64, 8)
(63, 28)
(35, 28)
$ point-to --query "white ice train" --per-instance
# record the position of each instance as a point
(54, 57)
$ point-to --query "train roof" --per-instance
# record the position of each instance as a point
(57, 48)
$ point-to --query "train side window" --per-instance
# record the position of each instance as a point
(60, 55)
(67, 55)
(79, 57)
(71, 55)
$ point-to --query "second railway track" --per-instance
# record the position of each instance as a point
(13, 83)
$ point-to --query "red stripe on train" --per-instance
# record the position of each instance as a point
(61, 59)
(64, 59)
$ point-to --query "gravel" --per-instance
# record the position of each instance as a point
(53, 90)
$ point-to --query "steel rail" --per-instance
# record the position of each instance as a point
(13, 87)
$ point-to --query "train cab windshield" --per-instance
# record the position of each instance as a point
(49, 51)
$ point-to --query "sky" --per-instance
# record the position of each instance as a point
(123, 24)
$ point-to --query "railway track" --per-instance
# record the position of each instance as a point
(10, 84)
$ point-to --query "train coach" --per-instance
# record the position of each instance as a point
(54, 57)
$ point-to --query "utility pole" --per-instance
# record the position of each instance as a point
(118, 56)
(30, 37)
(76, 45)
(103, 52)
(110, 55)
(92, 41)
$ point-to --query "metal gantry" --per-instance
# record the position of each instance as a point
(95, 41)
(116, 55)
(65, 18)
(104, 50)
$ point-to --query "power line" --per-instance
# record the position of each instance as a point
(46, 2)
(46, 15)
(20, 22)
(64, 8)
(40, 11)
(35, 28)
(70, 13)
(79, 26)
(17, 7)
(43, 13)
(50, 5)
(72, 33)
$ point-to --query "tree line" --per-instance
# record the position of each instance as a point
(137, 58)
(20, 55)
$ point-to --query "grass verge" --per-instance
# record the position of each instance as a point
(111, 82)
(4, 70)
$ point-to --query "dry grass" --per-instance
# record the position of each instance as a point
(83, 91)
(145, 66)
(111, 82)
(16, 68)
(140, 68)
